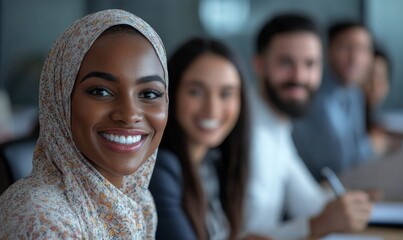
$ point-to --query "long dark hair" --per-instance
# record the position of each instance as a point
(234, 149)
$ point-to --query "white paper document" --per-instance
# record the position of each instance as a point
(341, 236)
(387, 213)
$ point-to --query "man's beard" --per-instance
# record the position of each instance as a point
(292, 108)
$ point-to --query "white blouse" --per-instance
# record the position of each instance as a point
(280, 184)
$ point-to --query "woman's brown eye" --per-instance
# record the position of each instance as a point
(99, 91)
(195, 92)
(151, 94)
(226, 94)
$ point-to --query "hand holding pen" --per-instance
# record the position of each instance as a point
(334, 181)
(348, 212)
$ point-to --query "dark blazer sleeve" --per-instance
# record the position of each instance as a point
(166, 187)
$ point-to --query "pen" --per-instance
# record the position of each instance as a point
(333, 181)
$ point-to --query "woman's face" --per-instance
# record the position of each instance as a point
(208, 100)
(119, 106)
(379, 81)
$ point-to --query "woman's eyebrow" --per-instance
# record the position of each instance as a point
(196, 82)
(230, 87)
(151, 78)
(102, 75)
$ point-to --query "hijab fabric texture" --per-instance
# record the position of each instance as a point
(66, 197)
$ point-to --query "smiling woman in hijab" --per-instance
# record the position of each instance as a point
(103, 108)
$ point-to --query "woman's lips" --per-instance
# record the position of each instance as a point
(208, 125)
(123, 142)
(122, 139)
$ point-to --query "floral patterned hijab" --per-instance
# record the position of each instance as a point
(66, 197)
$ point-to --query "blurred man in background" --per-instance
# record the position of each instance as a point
(333, 133)
(288, 64)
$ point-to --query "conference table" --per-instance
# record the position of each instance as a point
(384, 233)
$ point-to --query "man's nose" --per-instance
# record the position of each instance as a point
(299, 74)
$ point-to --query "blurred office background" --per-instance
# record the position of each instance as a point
(28, 29)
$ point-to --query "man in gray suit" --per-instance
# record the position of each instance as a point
(332, 133)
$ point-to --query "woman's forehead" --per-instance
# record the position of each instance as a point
(123, 54)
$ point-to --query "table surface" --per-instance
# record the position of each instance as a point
(385, 233)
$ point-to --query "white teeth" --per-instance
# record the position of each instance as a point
(209, 123)
(127, 140)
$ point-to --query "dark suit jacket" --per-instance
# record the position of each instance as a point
(166, 187)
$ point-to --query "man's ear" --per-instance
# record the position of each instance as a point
(258, 65)
(259, 68)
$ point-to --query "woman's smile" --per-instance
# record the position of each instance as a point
(124, 141)
(208, 124)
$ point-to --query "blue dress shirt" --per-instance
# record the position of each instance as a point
(333, 133)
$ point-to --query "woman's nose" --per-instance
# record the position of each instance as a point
(212, 106)
(127, 110)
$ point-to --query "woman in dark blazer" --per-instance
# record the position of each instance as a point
(201, 171)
